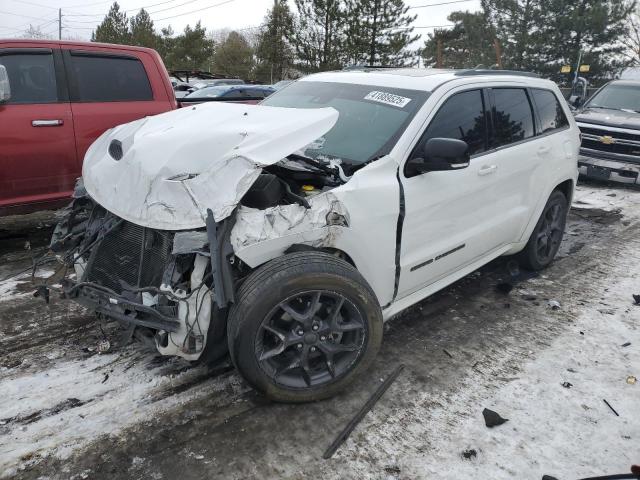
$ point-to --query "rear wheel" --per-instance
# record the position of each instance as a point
(303, 327)
(546, 237)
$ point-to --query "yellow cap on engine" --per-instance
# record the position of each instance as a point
(308, 188)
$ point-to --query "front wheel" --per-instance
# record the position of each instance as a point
(304, 326)
(546, 237)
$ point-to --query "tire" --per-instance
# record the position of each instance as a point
(303, 327)
(546, 237)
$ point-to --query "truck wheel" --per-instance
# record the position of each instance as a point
(545, 239)
(303, 327)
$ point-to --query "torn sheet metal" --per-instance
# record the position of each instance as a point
(206, 156)
(190, 242)
(254, 226)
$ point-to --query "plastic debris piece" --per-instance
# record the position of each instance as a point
(469, 454)
(106, 377)
(636, 298)
(548, 477)
(104, 346)
(553, 304)
(492, 419)
(42, 291)
(631, 380)
(567, 384)
(448, 354)
(626, 344)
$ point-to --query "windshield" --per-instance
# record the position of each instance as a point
(617, 97)
(210, 92)
(371, 118)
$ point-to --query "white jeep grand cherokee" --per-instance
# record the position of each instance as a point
(286, 233)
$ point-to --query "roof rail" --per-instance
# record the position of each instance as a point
(370, 67)
(484, 71)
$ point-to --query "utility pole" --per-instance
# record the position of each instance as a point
(59, 24)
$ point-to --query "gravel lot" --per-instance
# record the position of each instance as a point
(71, 412)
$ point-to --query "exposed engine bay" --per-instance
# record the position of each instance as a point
(178, 284)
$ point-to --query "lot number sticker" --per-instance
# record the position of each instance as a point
(388, 99)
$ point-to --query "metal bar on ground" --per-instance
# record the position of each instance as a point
(344, 434)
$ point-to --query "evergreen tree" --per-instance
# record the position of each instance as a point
(468, 44)
(518, 26)
(114, 28)
(192, 50)
(142, 31)
(319, 34)
(595, 27)
(233, 57)
(274, 51)
(166, 47)
(379, 32)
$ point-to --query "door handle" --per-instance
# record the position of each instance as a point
(46, 123)
(487, 170)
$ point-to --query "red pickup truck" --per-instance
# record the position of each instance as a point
(61, 97)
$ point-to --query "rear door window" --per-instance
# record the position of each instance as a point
(512, 115)
(102, 78)
(550, 111)
(32, 77)
(461, 117)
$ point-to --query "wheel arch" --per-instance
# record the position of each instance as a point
(567, 187)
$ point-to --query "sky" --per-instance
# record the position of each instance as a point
(79, 17)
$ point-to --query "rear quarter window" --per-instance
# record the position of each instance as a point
(550, 110)
(101, 78)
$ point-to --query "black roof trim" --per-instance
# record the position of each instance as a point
(473, 71)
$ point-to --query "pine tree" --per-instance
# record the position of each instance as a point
(379, 32)
(594, 27)
(468, 44)
(142, 31)
(319, 34)
(518, 26)
(233, 57)
(192, 50)
(274, 51)
(114, 28)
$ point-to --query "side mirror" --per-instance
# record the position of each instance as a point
(5, 87)
(439, 154)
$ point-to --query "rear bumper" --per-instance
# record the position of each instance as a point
(609, 169)
(108, 303)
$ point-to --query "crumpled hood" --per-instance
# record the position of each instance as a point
(176, 165)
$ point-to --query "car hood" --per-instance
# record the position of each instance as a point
(166, 171)
(612, 118)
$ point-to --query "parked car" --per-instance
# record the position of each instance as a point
(610, 126)
(252, 93)
(58, 98)
(288, 231)
(180, 88)
(214, 82)
(281, 84)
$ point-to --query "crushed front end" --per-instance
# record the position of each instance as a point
(158, 279)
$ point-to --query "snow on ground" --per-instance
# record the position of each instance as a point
(64, 404)
(564, 432)
(57, 410)
(605, 198)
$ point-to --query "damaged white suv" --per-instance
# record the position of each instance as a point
(286, 233)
